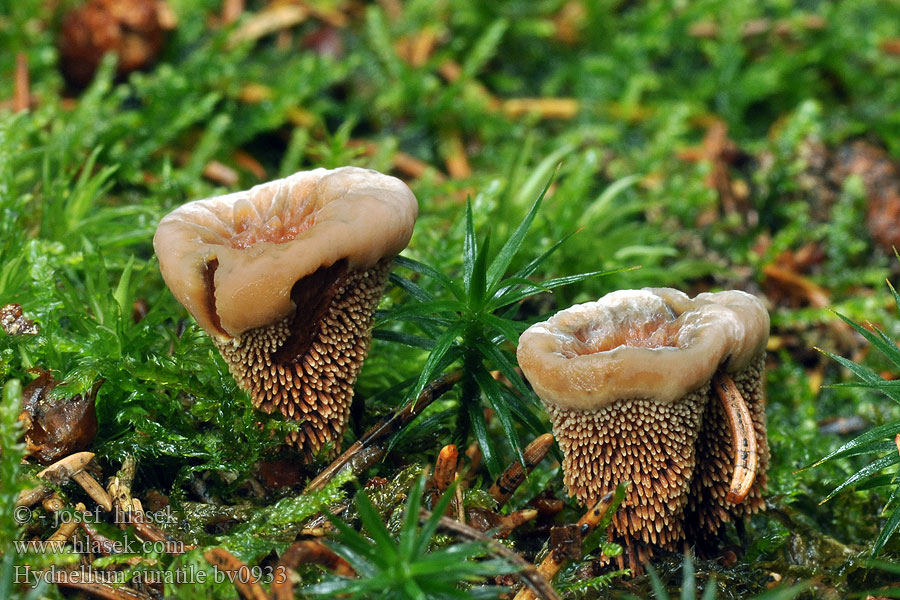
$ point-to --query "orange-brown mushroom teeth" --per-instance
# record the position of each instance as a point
(666, 392)
(285, 278)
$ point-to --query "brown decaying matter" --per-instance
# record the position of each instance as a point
(677, 456)
(308, 373)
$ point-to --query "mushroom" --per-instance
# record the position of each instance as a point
(285, 277)
(653, 387)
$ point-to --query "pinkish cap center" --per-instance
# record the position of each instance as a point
(658, 333)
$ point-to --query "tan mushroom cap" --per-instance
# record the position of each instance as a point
(654, 343)
(257, 243)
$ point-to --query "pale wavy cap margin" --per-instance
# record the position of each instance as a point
(577, 358)
(360, 215)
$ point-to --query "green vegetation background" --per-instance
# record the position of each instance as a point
(85, 175)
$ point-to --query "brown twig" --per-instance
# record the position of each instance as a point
(97, 542)
(226, 561)
(53, 503)
(148, 531)
(499, 525)
(33, 495)
(794, 282)
(515, 519)
(407, 164)
(220, 173)
(459, 501)
(93, 489)
(385, 427)
(67, 529)
(57, 473)
(268, 21)
(21, 86)
(231, 11)
(455, 157)
(306, 552)
(510, 480)
(452, 71)
(546, 108)
(529, 575)
(551, 565)
(331, 16)
(249, 162)
(417, 48)
(743, 434)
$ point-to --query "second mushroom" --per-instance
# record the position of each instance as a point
(285, 278)
(665, 391)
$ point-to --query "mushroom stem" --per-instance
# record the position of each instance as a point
(743, 434)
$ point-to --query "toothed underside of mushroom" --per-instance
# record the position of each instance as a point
(643, 441)
(679, 458)
(315, 383)
(708, 509)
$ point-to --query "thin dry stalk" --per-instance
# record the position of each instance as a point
(306, 552)
(32, 496)
(331, 16)
(53, 503)
(97, 542)
(220, 173)
(801, 286)
(455, 157)
(510, 480)
(67, 529)
(546, 108)
(387, 426)
(21, 86)
(529, 575)
(417, 48)
(406, 164)
(232, 11)
(413, 167)
(226, 561)
(149, 532)
(458, 501)
(551, 565)
(93, 489)
(451, 71)
(270, 20)
(58, 473)
(513, 520)
(249, 162)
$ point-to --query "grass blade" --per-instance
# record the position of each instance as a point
(503, 259)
